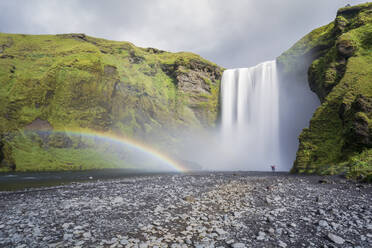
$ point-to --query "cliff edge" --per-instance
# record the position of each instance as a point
(336, 59)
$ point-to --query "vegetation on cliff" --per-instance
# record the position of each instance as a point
(73, 82)
(337, 58)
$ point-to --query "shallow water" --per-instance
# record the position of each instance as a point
(26, 180)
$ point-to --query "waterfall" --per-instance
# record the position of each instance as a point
(250, 114)
(262, 115)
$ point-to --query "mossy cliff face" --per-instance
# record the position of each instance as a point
(337, 58)
(73, 81)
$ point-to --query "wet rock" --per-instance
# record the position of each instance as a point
(37, 232)
(220, 231)
(87, 235)
(79, 243)
(124, 242)
(78, 228)
(336, 239)
(282, 244)
(321, 212)
(67, 236)
(118, 200)
(293, 225)
(67, 225)
(277, 198)
(261, 236)
(335, 225)
(323, 223)
(238, 245)
(323, 180)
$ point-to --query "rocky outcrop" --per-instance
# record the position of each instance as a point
(337, 59)
(357, 119)
(77, 82)
(197, 80)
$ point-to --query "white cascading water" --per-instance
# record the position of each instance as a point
(261, 119)
(250, 115)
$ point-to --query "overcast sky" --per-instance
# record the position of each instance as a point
(231, 33)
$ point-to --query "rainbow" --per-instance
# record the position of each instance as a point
(126, 141)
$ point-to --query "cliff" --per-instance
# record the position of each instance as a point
(52, 83)
(336, 59)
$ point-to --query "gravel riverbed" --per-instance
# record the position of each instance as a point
(241, 209)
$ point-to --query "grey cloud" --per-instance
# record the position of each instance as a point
(235, 33)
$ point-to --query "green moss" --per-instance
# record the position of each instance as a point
(339, 72)
(28, 154)
(74, 81)
(296, 59)
(359, 166)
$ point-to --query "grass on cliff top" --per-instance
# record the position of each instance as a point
(76, 81)
(41, 76)
(323, 37)
(294, 58)
(358, 7)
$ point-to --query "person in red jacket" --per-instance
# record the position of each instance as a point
(273, 168)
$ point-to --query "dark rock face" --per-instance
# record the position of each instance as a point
(59, 140)
(7, 44)
(200, 81)
(39, 125)
(359, 134)
(6, 56)
(75, 36)
(135, 59)
(340, 24)
(154, 50)
(196, 77)
(352, 10)
(346, 48)
(181, 69)
(362, 104)
(110, 70)
(192, 82)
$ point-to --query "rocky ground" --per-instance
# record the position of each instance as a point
(195, 210)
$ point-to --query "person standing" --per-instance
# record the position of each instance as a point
(273, 168)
